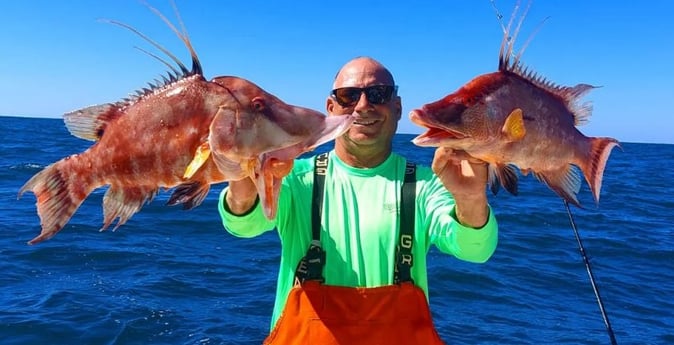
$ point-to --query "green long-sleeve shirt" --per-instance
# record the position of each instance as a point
(360, 224)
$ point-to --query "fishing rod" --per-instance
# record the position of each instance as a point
(589, 273)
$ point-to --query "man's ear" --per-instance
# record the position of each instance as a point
(399, 106)
(329, 105)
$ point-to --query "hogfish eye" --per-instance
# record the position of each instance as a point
(257, 104)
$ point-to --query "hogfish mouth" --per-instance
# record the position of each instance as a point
(436, 133)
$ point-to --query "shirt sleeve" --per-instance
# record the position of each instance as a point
(251, 224)
(445, 231)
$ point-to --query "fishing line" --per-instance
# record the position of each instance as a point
(589, 273)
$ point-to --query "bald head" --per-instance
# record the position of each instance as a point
(361, 72)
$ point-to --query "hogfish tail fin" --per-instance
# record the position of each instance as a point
(595, 163)
(58, 197)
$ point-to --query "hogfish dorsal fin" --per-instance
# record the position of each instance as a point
(571, 95)
(177, 73)
(89, 123)
(510, 62)
(196, 65)
(506, 51)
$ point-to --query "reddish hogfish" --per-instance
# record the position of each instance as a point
(185, 132)
(513, 119)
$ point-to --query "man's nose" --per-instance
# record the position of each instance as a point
(363, 102)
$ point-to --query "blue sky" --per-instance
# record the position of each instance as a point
(59, 57)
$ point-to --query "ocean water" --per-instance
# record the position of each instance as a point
(170, 276)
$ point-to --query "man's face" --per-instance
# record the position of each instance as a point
(375, 124)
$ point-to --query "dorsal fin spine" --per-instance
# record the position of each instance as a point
(513, 65)
(175, 74)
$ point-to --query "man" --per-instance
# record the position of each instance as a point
(360, 277)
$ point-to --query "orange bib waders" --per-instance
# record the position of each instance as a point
(322, 314)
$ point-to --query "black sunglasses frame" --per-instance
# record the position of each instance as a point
(376, 94)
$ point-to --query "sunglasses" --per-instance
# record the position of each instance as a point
(376, 94)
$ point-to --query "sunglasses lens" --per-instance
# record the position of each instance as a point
(347, 96)
(377, 94)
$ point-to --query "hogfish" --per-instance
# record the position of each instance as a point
(184, 132)
(513, 119)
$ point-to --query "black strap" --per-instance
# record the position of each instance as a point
(320, 169)
(311, 265)
(404, 260)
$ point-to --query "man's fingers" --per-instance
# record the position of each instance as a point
(456, 156)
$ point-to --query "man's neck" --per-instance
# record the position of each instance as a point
(362, 157)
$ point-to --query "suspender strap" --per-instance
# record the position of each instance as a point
(320, 169)
(404, 259)
(311, 265)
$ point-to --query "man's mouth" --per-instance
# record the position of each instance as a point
(364, 122)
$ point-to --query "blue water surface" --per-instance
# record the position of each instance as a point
(170, 276)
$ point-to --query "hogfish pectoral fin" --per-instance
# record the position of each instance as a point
(268, 178)
(513, 128)
(200, 157)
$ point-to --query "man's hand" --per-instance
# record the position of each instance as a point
(465, 178)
